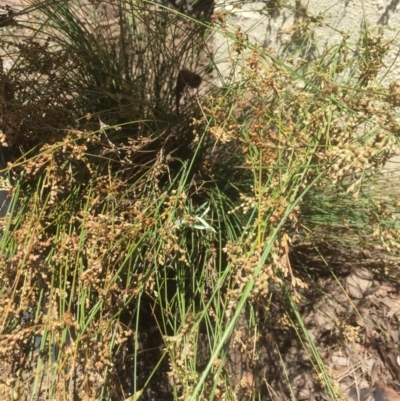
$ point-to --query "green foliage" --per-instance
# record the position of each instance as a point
(145, 246)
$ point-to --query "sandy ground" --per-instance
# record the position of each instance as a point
(12, 3)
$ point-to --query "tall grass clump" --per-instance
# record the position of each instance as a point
(151, 245)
